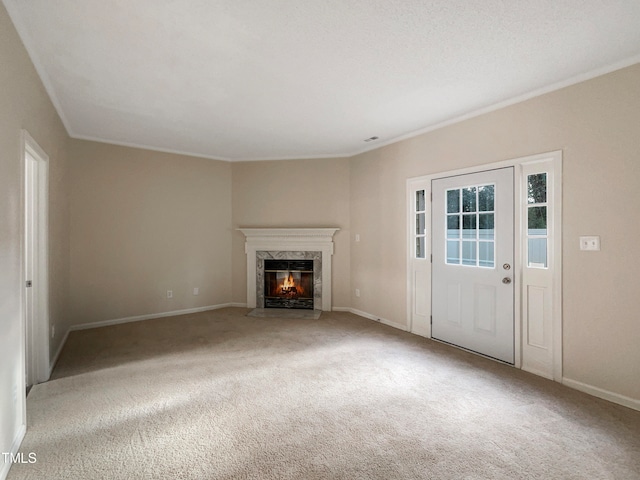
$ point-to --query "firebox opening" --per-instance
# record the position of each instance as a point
(288, 284)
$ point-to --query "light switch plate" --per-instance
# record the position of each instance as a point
(590, 243)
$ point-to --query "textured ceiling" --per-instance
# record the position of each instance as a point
(238, 80)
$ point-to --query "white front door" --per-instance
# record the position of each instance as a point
(472, 266)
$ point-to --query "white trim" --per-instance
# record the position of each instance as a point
(302, 234)
(424, 182)
(55, 358)
(602, 393)
(39, 372)
(370, 316)
(15, 447)
(151, 148)
(320, 156)
(557, 267)
(342, 309)
(540, 373)
(150, 316)
(583, 77)
(87, 326)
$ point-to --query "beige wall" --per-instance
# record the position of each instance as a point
(24, 104)
(145, 222)
(293, 193)
(597, 125)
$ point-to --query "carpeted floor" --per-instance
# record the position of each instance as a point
(219, 395)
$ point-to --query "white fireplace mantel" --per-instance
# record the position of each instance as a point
(289, 239)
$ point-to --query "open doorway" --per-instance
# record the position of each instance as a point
(35, 265)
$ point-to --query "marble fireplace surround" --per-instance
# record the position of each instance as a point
(300, 243)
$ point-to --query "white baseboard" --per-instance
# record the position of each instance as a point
(15, 447)
(137, 318)
(86, 326)
(375, 318)
(535, 371)
(53, 362)
(604, 394)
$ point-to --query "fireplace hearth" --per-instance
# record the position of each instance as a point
(288, 284)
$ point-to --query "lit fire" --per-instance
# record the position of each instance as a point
(290, 288)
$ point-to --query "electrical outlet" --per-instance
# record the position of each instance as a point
(196, 290)
(590, 243)
(357, 237)
(169, 293)
(357, 292)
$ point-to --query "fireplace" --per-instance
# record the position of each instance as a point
(288, 284)
(289, 245)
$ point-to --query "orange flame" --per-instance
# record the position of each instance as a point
(289, 287)
(289, 282)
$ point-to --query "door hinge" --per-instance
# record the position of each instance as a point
(29, 283)
(431, 319)
(431, 258)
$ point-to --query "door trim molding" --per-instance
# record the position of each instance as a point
(40, 354)
(417, 323)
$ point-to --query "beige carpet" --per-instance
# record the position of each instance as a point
(219, 395)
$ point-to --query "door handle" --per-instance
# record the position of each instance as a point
(506, 280)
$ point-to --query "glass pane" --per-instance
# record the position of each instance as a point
(453, 201)
(420, 224)
(537, 188)
(486, 195)
(420, 201)
(469, 226)
(453, 226)
(537, 221)
(453, 252)
(469, 253)
(420, 250)
(486, 254)
(537, 253)
(469, 199)
(487, 231)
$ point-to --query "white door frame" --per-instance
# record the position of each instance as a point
(419, 270)
(36, 326)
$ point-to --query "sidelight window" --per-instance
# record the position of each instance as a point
(537, 231)
(420, 219)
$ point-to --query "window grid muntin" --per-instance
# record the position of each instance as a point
(459, 210)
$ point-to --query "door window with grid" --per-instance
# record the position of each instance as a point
(470, 228)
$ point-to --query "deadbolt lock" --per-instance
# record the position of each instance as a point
(506, 266)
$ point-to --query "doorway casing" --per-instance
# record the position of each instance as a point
(544, 360)
(35, 168)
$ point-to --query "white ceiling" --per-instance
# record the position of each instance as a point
(248, 79)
